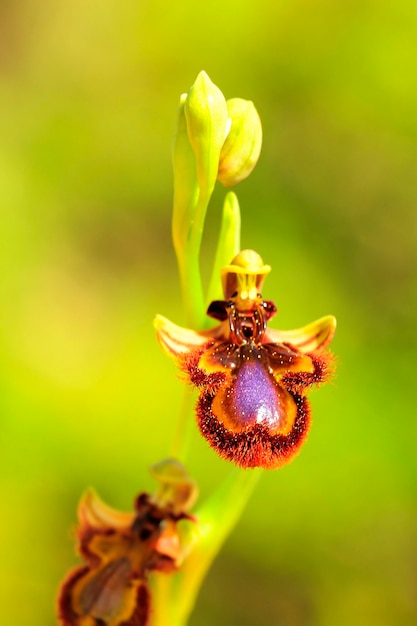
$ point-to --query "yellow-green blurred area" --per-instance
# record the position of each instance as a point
(88, 97)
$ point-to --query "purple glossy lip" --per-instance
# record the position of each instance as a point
(255, 399)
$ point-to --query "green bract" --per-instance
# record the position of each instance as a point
(228, 242)
(186, 190)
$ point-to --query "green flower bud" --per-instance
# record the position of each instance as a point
(207, 124)
(242, 147)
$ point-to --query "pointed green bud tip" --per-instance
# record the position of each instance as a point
(243, 143)
(207, 125)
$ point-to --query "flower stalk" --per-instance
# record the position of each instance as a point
(216, 520)
(202, 154)
(233, 363)
(145, 568)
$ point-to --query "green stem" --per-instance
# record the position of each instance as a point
(216, 520)
(162, 600)
(188, 257)
(182, 436)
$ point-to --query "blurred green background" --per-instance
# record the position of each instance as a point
(88, 98)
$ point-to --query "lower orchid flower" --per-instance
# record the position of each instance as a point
(121, 549)
(252, 379)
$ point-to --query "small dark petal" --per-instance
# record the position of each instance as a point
(141, 502)
(146, 521)
(256, 446)
(270, 308)
(218, 310)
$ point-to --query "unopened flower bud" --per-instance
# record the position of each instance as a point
(207, 124)
(242, 147)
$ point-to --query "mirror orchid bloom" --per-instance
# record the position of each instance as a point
(252, 379)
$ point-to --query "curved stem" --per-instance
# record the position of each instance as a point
(216, 519)
(182, 435)
(188, 257)
(162, 600)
